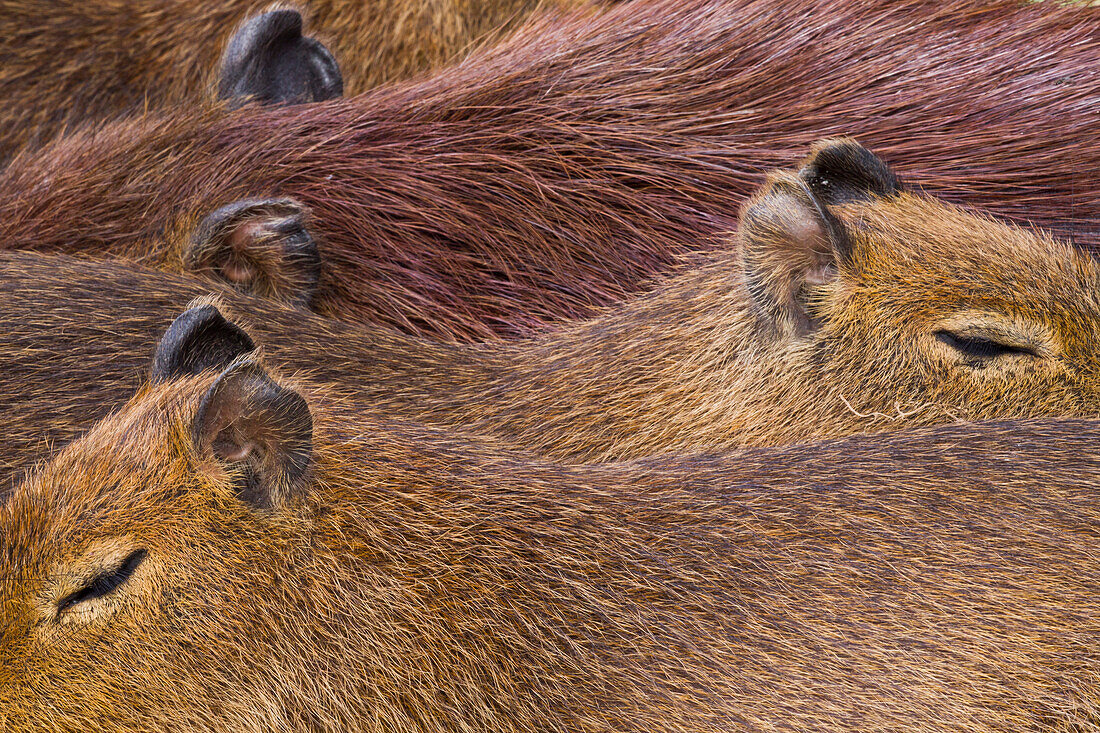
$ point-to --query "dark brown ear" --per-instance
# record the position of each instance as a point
(260, 431)
(198, 340)
(268, 60)
(791, 246)
(261, 247)
(839, 170)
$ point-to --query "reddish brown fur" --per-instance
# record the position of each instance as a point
(560, 171)
(695, 365)
(72, 63)
(940, 580)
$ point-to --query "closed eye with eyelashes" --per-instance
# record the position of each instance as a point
(103, 584)
(982, 347)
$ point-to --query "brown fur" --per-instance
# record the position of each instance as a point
(939, 580)
(697, 364)
(559, 172)
(70, 63)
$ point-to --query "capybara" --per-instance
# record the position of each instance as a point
(72, 63)
(269, 61)
(561, 171)
(232, 554)
(846, 305)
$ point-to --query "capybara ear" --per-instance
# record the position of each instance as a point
(840, 169)
(269, 60)
(199, 339)
(261, 432)
(261, 247)
(791, 244)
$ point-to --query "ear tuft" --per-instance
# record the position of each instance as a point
(199, 339)
(791, 245)
(839, 170)
(260, 431)
(270, 61)
(261, 247)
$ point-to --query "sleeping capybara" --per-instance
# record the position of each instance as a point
(564, 169)
(846, 305)
(66, 64)
(232, 554)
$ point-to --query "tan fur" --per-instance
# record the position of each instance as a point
(73, 63)
(931, 581)
(695, 365)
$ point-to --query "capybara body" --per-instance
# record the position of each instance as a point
(70, 63)
(870, 313)
(562, 170)
(358, 573)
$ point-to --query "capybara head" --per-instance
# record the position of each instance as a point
(846, 304)
(146, 567)
(210, 559)
(906, 307)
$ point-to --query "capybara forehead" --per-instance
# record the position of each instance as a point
(928, 241)
(138, 455)
(45, 524)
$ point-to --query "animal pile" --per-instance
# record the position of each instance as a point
(524, 365)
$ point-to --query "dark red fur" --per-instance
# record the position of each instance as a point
(558, 172)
